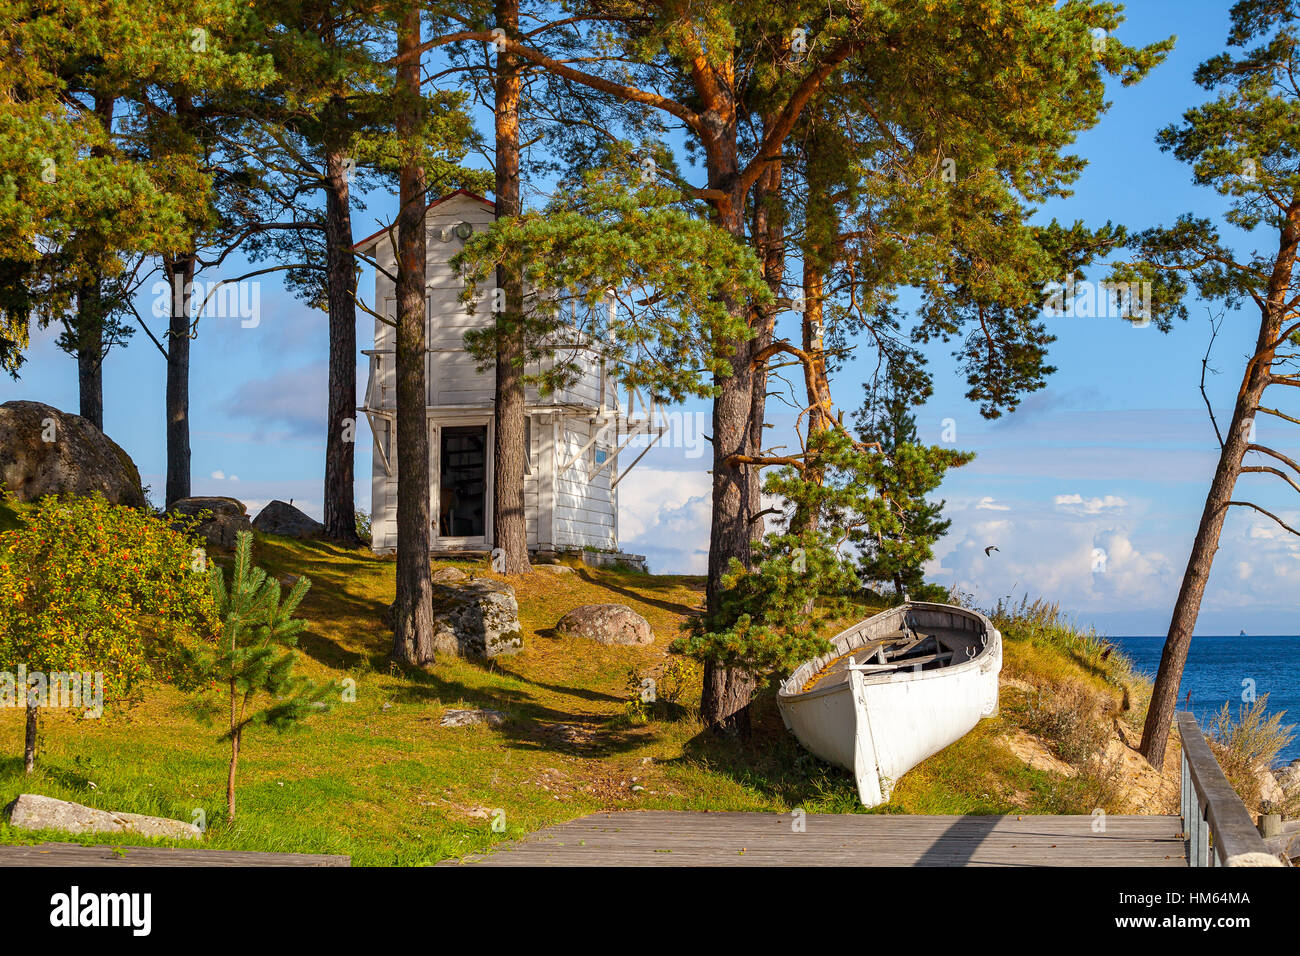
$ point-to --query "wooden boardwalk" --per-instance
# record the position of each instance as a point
(74, 854)
(659, 838)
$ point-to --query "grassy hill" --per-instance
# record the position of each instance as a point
(381, 781)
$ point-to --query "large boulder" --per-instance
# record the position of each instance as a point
(478, 619)
(1288, 778)
(34, 812)
(282, 518)
(220, 519)
(44, 451)
(606, 624)
(1270, 791)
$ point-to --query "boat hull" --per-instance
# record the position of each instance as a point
(880, 725)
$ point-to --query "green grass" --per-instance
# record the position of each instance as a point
(379, 780)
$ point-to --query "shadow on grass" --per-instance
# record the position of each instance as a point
(772, 764)
(645, 583)
(530, 724)
(581, 693)
(11, 768)
(336, 597)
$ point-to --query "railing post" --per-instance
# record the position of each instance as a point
(1203, 843)
(1186, 793)
(1194, 832)
(1212, 811)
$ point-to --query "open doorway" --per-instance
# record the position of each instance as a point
(462, 485)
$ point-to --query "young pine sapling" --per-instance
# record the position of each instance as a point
(255, 654)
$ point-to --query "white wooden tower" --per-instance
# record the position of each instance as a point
(575, 436)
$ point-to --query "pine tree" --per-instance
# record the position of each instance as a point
(772, 615)
(413, 604)
(174, 130)
(897, 557)
(321, 135)
(254, 657)
(1242, 144)
(731, 75)
(79, 205)
(509, 454)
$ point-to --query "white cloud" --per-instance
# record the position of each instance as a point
(1090, 506)
(988, 504)
(218, 476)
(293, 397)
(1265, 529)
(665, 516)
(1065, 557)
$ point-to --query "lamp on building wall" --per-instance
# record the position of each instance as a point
(461, 230)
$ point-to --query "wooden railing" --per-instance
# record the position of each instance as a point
(1217, 827)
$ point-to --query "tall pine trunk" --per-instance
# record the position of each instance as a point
(90, 349)
(727, 691)
(509, 525)
(821, 229)
(1164, 693)
(738, 424)
(91, 306)
(413, 607)
(180, 276)
(769, 237)
(340, 444)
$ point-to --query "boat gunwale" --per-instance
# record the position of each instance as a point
(897, 676)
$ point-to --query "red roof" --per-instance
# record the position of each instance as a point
(437, 202)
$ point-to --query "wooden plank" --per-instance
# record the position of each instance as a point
(665, 838)
(1233, 829)
(74, 854)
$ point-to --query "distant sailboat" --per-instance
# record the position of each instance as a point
(1243, 634)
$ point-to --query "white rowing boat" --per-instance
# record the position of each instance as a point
(893, 690)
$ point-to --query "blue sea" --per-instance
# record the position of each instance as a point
(1217, 668)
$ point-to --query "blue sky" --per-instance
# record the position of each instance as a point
(1112, 459)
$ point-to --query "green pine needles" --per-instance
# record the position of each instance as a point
(848, 507)
(255, 654)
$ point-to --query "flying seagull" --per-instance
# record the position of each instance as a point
(988, 552)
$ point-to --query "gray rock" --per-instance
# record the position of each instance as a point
(34, 812)
(606, 624)
(553, 568)
(449, 575)
(44, 451)
(478, 619)
(282, 518)
(226, 518)
(1288, 778)
(1270, 791)
(463, 717)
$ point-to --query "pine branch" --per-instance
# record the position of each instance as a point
(1248, 504)
(1273, 471)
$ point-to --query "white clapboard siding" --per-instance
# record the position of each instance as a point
(583, 513)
